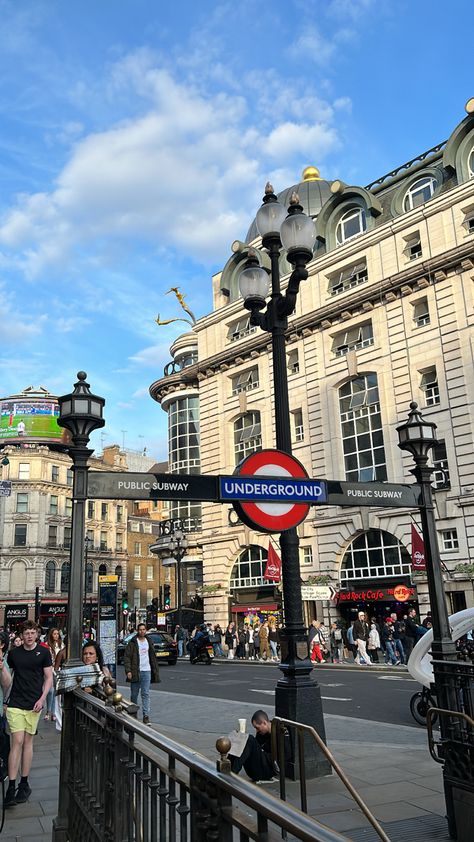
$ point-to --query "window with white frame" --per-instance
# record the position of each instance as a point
(53, 504)
(134, 526)
(247, 435)
(149, 595)
(361, 426)
(468, 221)
(470, 163)
(429, 385)
(351, 224)
(24, 470)
(103, 540)
(69, 476)
(19, 539)
(22, 503)
(239, 329)
(68, 507)
(439, 457)
(348, 278)
(191, 574)
(119, 542)
(90, 509)
(137, 571)
(307, 553)
(104, 511)
(119, 514)
(249, 569)
(413, 248)
(449, 540)
(419, 192)
(375, 555)
(54, 473)
(293, 361)
(52, 536)
(298, 424)
(245, 381)
(147, 528)
(136, 598)
(67, 534)
(352, 339)
(421, 313)
(167, 574)
(149, 572)
(90, 538)
(137, 548)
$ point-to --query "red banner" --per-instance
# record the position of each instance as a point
(417, 550)
(273, 568)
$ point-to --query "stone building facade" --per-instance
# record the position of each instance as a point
(385, 317)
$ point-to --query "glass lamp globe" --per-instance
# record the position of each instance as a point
(298, 231)
(254, 283)
(269, 218)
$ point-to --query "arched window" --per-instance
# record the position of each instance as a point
(102, 570)
(65, 571)
(18, 577)
(50, 577)
(89, 577)
(352, 223)
(470, 163)
(361, 425)
(419, 192)
(249, 568)
(247, 435)
(375, 555)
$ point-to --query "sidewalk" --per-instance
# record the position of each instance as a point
(388, 764)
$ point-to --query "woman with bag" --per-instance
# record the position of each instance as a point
(230, 640)
(55, 645)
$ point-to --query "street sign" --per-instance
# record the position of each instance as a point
(122, 485)
(5, 488)
(271, 516)
(318, 592)
(384, 494)
(275, 489)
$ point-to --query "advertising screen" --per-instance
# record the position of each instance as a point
(26, 418)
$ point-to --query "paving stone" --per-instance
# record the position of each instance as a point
(398, 810)
(431, 803)
(392, 792)
(343, 821)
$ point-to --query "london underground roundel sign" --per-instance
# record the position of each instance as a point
(271, 516)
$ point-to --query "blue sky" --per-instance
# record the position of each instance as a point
(135, 141)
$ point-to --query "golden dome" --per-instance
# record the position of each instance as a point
(311, 174)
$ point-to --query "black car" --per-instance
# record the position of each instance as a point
(165, 647)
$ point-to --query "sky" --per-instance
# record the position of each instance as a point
(136, 138)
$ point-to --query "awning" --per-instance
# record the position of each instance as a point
(253, 609)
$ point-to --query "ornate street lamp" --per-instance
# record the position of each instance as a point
(298, 696)
(178, 547)
(81, 414)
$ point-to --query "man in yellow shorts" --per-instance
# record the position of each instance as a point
(32, 679)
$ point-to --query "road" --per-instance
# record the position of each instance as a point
(377, 696)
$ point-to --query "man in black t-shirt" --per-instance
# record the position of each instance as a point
(32, 679)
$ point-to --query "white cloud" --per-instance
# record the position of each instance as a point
(155, 356)
(302, 139)
(16, 325)
(314, 45)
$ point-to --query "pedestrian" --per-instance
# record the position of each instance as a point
(257, 758)
(141, 668)
(250, 636)
(351, 645)
(5, 684)
(373, 645)
(411, 632)
(230, 641)
(398, 636)
(273, 640)
(32, 679)
(240, 652)
(317, 643)
(264, 644)
(55, 645)
(336, 644)
(389, 641)
(361, 638)
(256, 641)
(180, 638)
(216, 641)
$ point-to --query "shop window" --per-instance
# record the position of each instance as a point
(50, 577)
(22, 503)
(429, 385)
(440, 461)
(351, 224)
(449, 540)
(245, 381)
(247, 435)
(249, 569)
(352, 339)
(375, 555)
(348, 278)
(419, 192)
(293, 362)
(65, 573)
(421, 313)
(24, 470)
(239, 329)
(19, 539)
(361, 426)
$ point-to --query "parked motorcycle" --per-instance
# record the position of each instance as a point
(419, 704)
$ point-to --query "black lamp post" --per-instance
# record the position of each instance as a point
(87, 543)
(178, 547)
(81, 414)
(298, 695)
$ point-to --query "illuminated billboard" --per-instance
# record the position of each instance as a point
(30, 418)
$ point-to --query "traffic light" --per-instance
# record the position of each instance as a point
(124, 601)
(167, 594)
(154, 603)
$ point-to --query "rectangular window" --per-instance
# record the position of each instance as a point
(293, 362)
(167, 574)
(137, 571)
(68, 507)
(119, 514)
(429, 385)
(103, 540)
(53, 504)
(348, 278)
(298, 424)
(22, 503)
(421, 313)
(67, 537)
(237, 330)
(90, 509)
(413, 249)
(137, 548)
(135, 526)
(54, 473)
(440, 462)
(470, 225)
(20, 535)
(52, 536)
(90, 538)
(119, 542)
(245, 381)
(191, 574)
(449, 538)
(69, 477)
(149, 573)
(149, 595)
(24, 470)
(147, 528)
(359, 336)
(307, 555)
(136, 598)
(104, 511)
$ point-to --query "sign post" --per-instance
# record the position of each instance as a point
(107, 625)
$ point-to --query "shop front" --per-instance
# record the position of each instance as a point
(53, 615)
(256, 613)
(15, 615)
(377, 599)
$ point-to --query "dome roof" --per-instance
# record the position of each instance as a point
(312, 190)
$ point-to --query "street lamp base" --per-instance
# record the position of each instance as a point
(299, 699)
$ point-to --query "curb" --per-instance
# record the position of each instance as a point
(349, 666)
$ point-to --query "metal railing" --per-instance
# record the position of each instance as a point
(129, 783)
(299, 733)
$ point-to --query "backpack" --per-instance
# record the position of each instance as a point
(338, 635)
